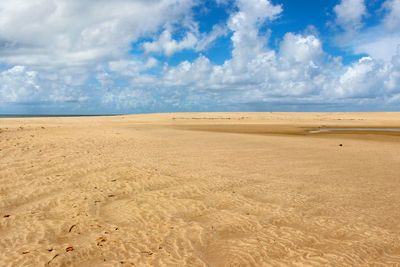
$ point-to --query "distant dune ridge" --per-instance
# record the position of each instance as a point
(200, 189)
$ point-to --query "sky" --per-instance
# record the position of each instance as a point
(147, 56)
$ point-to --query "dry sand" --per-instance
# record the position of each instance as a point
(200, 189)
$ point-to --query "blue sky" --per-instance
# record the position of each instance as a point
(136, 56)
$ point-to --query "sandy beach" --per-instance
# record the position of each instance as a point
(200, 189)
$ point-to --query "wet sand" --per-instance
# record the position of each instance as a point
(200, 189)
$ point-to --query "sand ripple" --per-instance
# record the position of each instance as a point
(134, 191)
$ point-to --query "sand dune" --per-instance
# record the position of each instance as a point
(200, 189)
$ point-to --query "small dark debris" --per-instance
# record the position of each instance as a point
(114, 180)
(70, 229)
(340, 144)
(68, 249)
(111, 195)
(55, 256)
(26, 252)
(116, 229)
(6, 215)
(159, 247)
(50, 250)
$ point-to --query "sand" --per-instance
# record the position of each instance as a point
(200, 189)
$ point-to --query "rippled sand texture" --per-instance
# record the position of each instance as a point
(216, 189)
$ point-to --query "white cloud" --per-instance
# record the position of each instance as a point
(56, 46)
(70, 33)
(206, 40)
(186, 74)
(376, 43)
(300, 72)
(254, 70)
(21, 85)
(392, 19)
(247, 43)
(393, 80)
(301, 49)
(128, 98)
(69, 51)
(168, 45)
(363, 79)
(380, 41)
(192, 40)
(349, 14)
(18, 85)
(131, 67)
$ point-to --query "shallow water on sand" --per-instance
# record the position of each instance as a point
(324, 130)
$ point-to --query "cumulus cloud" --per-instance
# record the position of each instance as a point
(45, 32)
(79, 52)
(192, 40)
(53, 47)
(301, 49)
(300, 73)
(392, 19)
(254, 73)
(20, 85)
(131, 67)
(349, 14)
(247, 43)
(168, 45)
(363, 79)
(378, 42)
